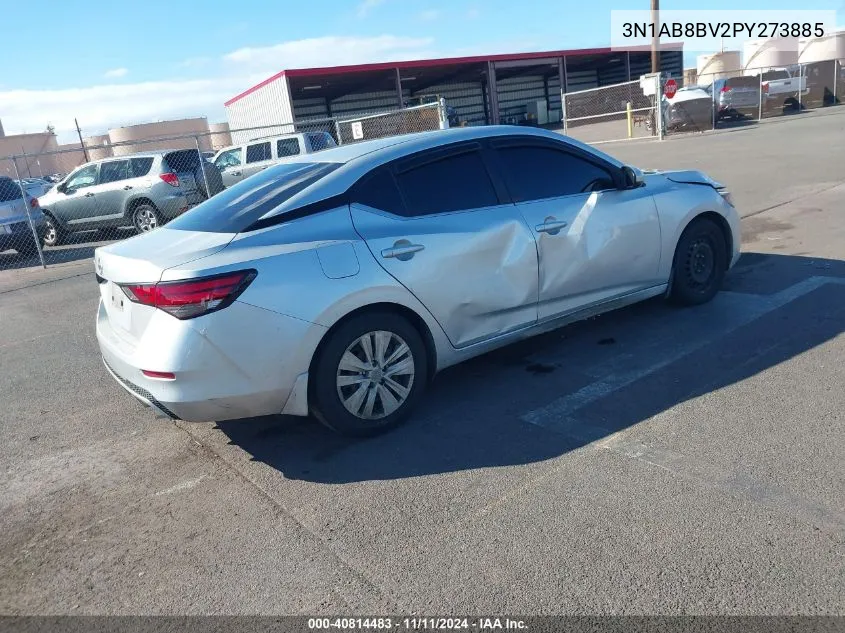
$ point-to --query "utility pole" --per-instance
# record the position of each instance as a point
(655, 41)
(81, 142)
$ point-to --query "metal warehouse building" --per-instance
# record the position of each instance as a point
(511, 88)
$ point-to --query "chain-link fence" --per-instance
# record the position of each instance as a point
(737, 97)
(114, 191)
(610, 113)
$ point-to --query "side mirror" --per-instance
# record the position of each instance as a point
(61, 187)
(631, 178)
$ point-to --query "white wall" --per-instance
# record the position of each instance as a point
(268, 106)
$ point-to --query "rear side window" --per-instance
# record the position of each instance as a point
(321, 141)
(114, 171)
(536, 173)
(258, 152)
(453, 183)
(9, 190)
(236, 208)
(183, 160)
(379, 191)
(287, 147)
(140, 166)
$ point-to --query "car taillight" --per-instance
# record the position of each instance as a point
(725, 89)
(170, 178)
(193, 297)
(34, 203)
(766, 88)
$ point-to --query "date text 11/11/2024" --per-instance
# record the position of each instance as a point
(417, 624)
(760, 30)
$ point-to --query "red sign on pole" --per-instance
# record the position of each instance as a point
(670, 88)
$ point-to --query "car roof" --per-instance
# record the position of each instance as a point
(357, 159)
(395, 146)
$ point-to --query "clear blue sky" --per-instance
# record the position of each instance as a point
(93, 59)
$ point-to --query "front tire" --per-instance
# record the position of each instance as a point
(700, 263)
(145, 218)
(370, 375)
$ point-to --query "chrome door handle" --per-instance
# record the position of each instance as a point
(89, 195)
(552, 226)
(402, 251)
(236, 173)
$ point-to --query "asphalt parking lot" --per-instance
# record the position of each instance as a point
(652, 460)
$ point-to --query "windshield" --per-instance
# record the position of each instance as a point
(234, 209)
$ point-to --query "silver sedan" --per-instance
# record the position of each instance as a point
(339, 284)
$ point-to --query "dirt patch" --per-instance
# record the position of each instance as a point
(754, 228)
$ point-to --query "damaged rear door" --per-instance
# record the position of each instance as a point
(441, 227)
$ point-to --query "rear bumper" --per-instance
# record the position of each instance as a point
(19, 231)
(237, 363)
(172, 205)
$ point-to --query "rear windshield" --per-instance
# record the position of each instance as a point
(234, 209)
(743, 82)
(183, 160)
(9, 190)
(773, 75)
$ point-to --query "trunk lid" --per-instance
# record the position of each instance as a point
(144, 258)
(12, 211)
(186, 165)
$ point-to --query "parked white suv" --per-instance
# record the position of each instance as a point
(240, 161)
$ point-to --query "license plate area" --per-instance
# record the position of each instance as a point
(119, 306)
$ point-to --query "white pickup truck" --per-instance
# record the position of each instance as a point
(781, 88)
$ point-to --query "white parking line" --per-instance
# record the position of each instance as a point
(728, 312)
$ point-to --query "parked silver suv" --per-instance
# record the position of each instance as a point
(142, 190)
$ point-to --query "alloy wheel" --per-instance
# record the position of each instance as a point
(375, 375)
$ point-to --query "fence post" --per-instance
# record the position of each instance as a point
(563, 110)
(801, 79)
(202, 168)
(441, 112)
(760, 97)
(658, 103)
(337, 132)
(713, 94)
(835, 75)
(28, 214)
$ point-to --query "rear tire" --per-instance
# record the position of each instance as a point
(145, 218)
(370, 375)
(700, 262)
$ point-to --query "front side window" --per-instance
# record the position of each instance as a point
(258, 152)
(85, 177)
(114, 171)
(287, 147)
(229, 158)
(454, 183)
(536, 173)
